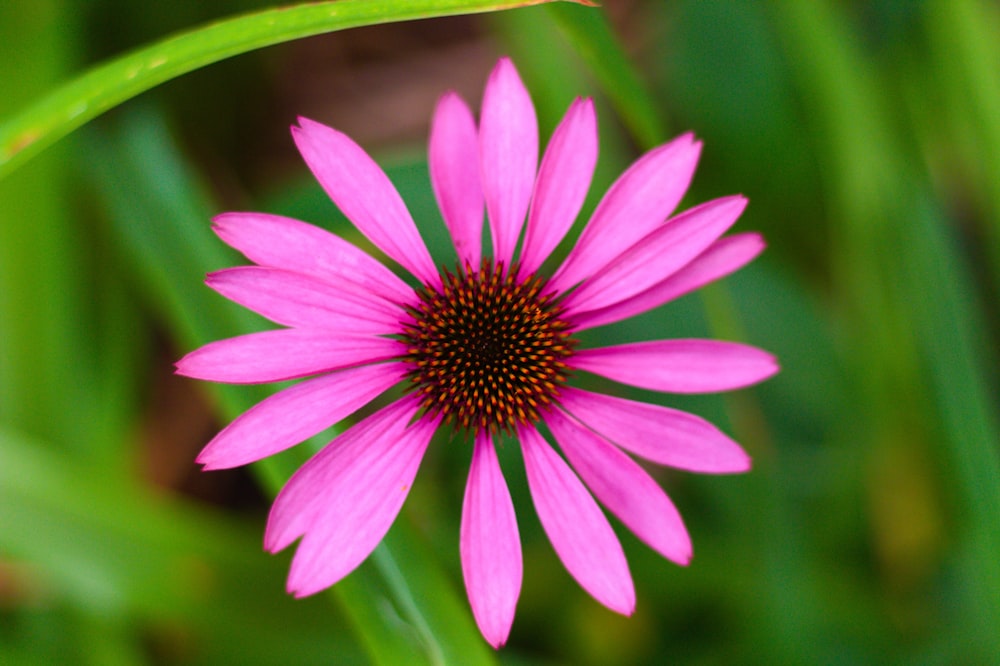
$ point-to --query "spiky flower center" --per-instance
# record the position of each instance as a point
(487, 349)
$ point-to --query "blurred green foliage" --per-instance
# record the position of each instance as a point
(867, 137)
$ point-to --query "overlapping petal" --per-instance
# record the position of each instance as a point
(296, 299)
(680, 366)
(490, 545)
(281, 242)
(508, 153)
(343, 500)
(639, 201)
(365, 195)
(453, 158)
(297, 413)
(723, 257)
(657, 256)
(287, 353)
(563, 180)
(304, 495)
(624, 487)
(579, 532)
(659, 434)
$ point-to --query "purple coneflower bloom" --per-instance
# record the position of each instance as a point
(487, 347)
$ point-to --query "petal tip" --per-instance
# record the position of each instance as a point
(301, 592)
(505, 72)
(683, 554)
(307, 127)
(687, 142)
(496, 639)
(273, 544)
(627, 608)
(222, 219)
(696, 147)
(305, 123)
(450, 97)
(623, 605)
(211, 461)
(582, 104)
(182, 366)
(504, 61)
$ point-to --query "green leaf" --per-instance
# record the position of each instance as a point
(107, 85)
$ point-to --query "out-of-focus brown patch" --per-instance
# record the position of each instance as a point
(21, 585)
(176, 425)
(387, 101)
(377, 84)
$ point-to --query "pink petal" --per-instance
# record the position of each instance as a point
(454, 167)
(657, 256)
(288, 353)
(563, 181)
(305, 495)
(660, 434)
(639, 201)
(299, 300)
(365, 195)
(578, 530)
(345, 498)
(680, 366)
(297, 413)
(490, 545)
(624, 487)
(281, 242)
(723, 257)
(508, 145)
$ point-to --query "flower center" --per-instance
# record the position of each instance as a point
(487, 350)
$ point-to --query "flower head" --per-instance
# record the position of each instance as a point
(487, 347)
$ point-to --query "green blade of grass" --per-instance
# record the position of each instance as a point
(942, 302)
(56, 372)
(103, 540)
(963, 36)
(107, 85)
(912, 311)
(120, 551)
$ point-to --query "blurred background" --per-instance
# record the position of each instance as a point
(866, 135)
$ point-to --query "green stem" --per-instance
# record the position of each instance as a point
(107, 85)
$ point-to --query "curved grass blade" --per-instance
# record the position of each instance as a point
(109, 84)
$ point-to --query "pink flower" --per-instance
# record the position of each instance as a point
(487, 348)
